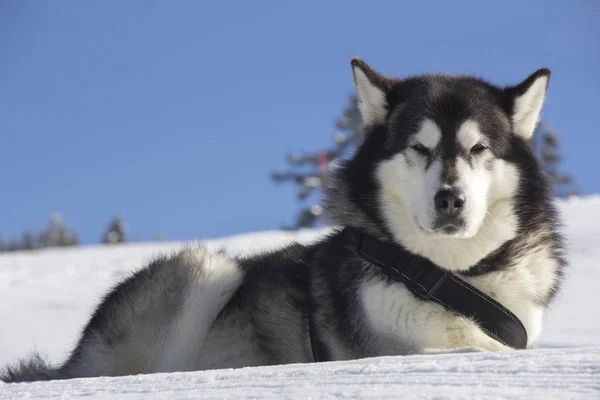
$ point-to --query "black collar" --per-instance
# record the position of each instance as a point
(432, 283)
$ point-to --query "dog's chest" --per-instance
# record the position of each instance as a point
(393, 311)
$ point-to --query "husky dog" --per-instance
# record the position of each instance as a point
(446, 173)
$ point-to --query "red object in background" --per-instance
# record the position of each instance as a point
(323, 167)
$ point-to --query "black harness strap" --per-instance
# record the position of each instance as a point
(430, 282)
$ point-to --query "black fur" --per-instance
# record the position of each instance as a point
(264, 276)
(33, 368)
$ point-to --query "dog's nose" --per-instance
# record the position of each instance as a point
(450, 203)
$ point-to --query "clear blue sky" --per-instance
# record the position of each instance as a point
(175, 112)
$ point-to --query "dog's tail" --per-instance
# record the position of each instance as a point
(33, 368)
(155, 320)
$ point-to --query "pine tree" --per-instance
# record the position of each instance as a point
(57, 235)
(309, 170)
(29, 241)
(546, 145)
(116, 231)
(14, 245)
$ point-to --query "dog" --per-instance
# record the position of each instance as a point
(445, 176)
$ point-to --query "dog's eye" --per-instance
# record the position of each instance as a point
(419, 148)
(478, 149)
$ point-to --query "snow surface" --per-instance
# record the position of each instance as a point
(47, 296)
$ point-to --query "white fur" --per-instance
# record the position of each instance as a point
(429, 135)
(407, 192)
(528, 106)
(418, 326)
(469, 134)
(475, 182)
(372, 101)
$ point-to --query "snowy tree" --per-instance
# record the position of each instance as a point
(309, 170)
(57, 235)
(116, 231)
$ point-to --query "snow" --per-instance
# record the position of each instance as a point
(47, 296)
(537, 374)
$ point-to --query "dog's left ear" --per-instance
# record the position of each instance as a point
(527, 101)
(372, 89)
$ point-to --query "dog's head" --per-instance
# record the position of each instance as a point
(445, 151)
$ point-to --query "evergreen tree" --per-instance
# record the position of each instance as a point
(14, 245)
(29, 241)
(116, 231)
(546, 147)
(309, 170)
(57, 235)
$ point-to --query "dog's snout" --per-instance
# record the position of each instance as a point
(450, 203)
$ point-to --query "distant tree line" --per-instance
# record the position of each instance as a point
(308, 171)
(57, 234)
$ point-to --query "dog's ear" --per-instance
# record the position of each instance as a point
(372, 89)
(527, 101)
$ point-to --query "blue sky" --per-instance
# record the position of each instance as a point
(175, 112)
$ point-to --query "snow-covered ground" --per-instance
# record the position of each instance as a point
(46, 297)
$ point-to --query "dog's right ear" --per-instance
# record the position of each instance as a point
(372, 89)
